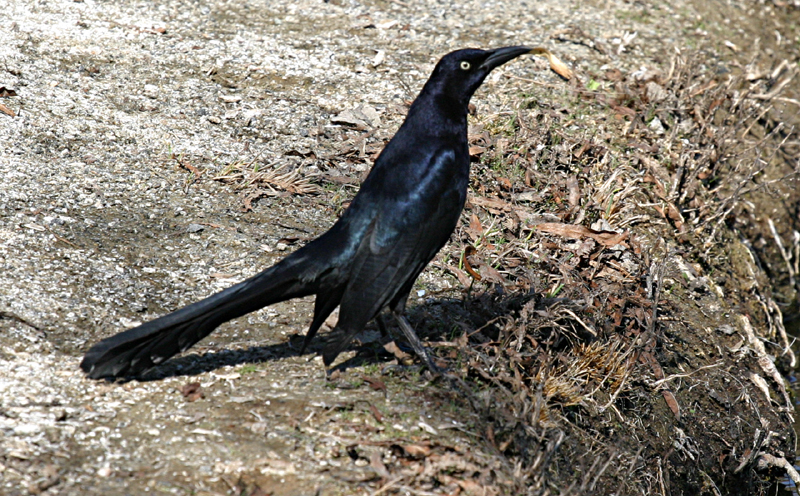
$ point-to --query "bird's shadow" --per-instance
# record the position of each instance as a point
(434, 320)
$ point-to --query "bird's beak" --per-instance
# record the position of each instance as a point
(500, 56)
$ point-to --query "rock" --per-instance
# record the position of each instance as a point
(361, 116)
(655, 93)
(27, 429)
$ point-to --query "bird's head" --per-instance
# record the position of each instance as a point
(458, 74)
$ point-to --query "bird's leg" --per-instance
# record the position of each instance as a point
(382, 325)
(416, 344)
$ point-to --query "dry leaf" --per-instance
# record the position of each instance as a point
(605, 238)
(475, 225)
(574, 192)
(468, 252)
(392, 348)
(221, 275)
(376, 413)
(471, 487)
(556, 65)
(7, 110)
(191, 168)
(623, 111)
(377, 465)
(476, 150)
(462, 276)
(192, 391)
(672, 213)
(416, 450)
(612, 274)
(489, 203)
(672, 402)
(731, 45)
(289, 240)
(340, 179)
(703, 88)
(375, 384)
(490, 274)
(614, 75)
(585, 248)
(658, 372)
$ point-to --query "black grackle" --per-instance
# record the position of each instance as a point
(404, 213)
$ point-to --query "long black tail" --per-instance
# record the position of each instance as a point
(133, 352)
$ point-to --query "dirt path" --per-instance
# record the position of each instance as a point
(142, 131)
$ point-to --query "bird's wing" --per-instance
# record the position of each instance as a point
(405, 235)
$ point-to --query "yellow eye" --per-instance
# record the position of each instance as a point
(465, 65)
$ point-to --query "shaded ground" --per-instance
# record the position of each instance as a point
(626, 329)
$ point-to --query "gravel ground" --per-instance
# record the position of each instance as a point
(104, 222)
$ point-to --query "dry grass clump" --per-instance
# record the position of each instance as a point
(588, 371)
(273, 180)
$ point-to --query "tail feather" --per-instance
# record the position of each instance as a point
(336, 344)
(133, 352)
(326, 303)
